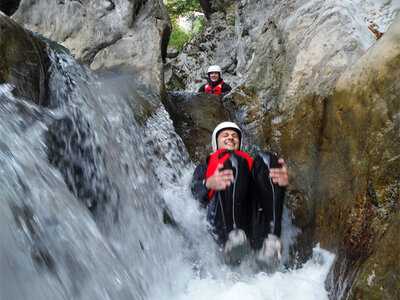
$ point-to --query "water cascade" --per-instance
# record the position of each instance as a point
(95, 203)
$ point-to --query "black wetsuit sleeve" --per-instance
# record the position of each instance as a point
(202, 88)
(198, 188)
(226, 88)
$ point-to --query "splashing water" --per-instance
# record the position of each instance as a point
(84, 187)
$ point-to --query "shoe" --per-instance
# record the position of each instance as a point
(237, 247)
(270, 253)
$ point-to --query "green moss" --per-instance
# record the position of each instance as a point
(176, 81)
(380, 276)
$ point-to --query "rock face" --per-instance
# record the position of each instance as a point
(340, 138)
(228, 39)
(195, 117)
(359, 171)
(311, 91)
(23, 62)
(213, 47)
(116, 36)
(311, 88)
(211, 6)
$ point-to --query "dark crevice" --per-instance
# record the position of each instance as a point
(207, 9)
(111, 5)
(9, 7)
(92, 52)
(139, 7)
(164, 41)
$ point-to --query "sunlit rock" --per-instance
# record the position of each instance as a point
(124, 36)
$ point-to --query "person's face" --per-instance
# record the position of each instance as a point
(228, 139)
(214, 76)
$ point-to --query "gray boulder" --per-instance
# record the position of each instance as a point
(172, 51)
(109, 35)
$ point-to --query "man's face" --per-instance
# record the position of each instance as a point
(228, 139)
(214, 76)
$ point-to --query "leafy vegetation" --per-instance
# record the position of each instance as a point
(180, 8)
(178, 37)
(221, 8)
(198, 25)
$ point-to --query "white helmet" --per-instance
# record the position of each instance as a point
(223, 126)
(214, 69)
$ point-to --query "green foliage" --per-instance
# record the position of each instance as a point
(221, 8)
(177, 8)
(231, 22)
(178, 37)
(198, 25)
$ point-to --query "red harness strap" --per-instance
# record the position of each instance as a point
(215, 160)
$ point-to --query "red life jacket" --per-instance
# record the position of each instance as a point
(215, 160)
(216, 90)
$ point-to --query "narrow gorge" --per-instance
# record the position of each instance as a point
(101, 131)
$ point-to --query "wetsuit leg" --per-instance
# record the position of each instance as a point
(230, 209)
(267, 200)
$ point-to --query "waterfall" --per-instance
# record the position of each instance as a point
(95, 203)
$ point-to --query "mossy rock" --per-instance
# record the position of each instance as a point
(359, 169)
(380, 276)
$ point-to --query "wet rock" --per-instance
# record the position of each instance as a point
(294, 100)
(23, 62)
(359, 168)
(379, 276)
(195, 117)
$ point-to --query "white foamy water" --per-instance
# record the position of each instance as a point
(53, 248)
(306, 283)
(210, 277)
(379, 12)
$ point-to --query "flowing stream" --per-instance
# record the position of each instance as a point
(85, 188)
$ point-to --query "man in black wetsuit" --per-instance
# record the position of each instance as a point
(215, 83)
(244, 197)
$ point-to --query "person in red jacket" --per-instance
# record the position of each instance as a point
(244, 197)
(215, 83)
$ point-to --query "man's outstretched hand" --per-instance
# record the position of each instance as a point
(281, 175)
(220, 180)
